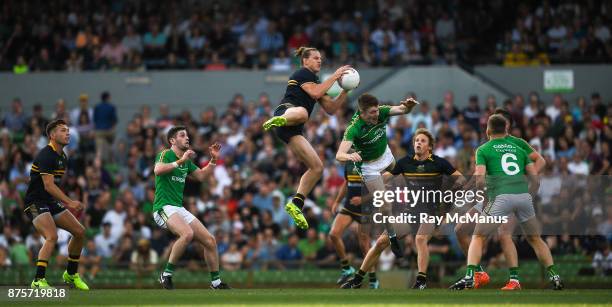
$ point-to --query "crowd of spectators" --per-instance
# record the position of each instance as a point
(558, 31)
(242, 204)
(216, 35)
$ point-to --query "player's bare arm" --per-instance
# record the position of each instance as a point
(58, 194)
(343, 156)
(203, 173)
(331, 105)
(404, 107)
(534, 181)
(317, 91)
(163, 168)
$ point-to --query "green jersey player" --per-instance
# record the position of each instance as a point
(367, 136)
(172, 166)
(505, 166)
(464, 230)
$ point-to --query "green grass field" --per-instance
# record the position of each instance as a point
(310, 297)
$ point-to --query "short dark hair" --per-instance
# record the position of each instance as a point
(173, 131)
(366, 101)
(506, 114)
(52, 125)
(105, 96)
(497, 124)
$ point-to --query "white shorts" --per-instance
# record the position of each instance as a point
(376, 167)
(162, 216)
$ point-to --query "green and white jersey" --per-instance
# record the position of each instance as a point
(369, 140)
(505, 162)
(522, 144)
(169, 186)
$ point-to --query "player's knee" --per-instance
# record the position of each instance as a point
(210, 242)
(382, 244)
(334, 235)
(51, 238)
(421, 240)
(187, 236)
(301, 115)
(78, 233)
(317, 168)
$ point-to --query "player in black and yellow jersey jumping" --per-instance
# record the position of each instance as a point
(45, 206)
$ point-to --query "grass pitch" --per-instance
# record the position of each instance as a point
(310, 297)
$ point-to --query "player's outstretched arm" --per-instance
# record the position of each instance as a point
(343, 156)
(331, 105)
(317, 91)
(58, 194)
(404, 107)
(202, 173)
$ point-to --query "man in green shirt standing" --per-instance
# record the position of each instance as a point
(172, 166)
(367, 136)
(505, 165)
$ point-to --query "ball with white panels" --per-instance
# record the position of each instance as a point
(349, 80)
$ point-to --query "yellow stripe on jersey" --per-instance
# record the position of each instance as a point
(161, 157)
(422, 174)
(353, 178)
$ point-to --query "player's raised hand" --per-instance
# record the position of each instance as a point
(338, 73)
(188, 155)
(409, 104)
(214, 150)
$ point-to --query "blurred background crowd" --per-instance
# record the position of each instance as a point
(138, 35)
(242, 204)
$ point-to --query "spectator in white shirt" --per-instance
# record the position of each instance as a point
(105, 242)
(555, 109)
(578, 166)
(116, 217)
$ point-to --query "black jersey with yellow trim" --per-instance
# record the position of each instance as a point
(47, 162)
(295, 94)
(426, 173)
(354, 187)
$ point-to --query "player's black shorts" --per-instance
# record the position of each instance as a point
(355, 213)
(287, 132)
(37, 208)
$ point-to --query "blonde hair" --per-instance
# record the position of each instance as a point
(430, 137)
(304, 53)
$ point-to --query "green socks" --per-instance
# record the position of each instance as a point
(169, 270)
(469, 273)
(514, 273)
